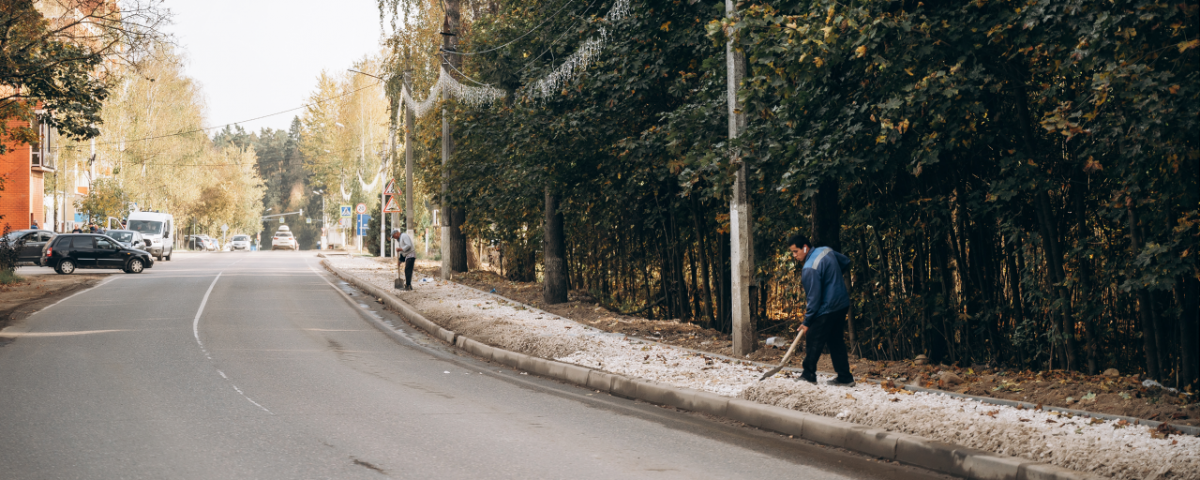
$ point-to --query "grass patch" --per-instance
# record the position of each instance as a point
(9, 277)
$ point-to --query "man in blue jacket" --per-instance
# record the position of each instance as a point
(828, 302)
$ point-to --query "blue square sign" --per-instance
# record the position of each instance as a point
(346, 211)
(361, 224)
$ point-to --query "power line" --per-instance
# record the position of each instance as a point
(135, 164)
(523, 35)
(202, 129)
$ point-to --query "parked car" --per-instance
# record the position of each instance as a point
(30, 243)
(194, 242)
(68, 252)
(284, 239)
(157, 227)
(240, 242)
(130, 239)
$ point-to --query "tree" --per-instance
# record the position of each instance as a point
(56, 56)
(104, 199)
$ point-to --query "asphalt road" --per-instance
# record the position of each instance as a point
(262, 365)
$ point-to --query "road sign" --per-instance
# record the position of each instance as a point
(390, 189)
(362, 224)
(361, 208)
(392, 206)
(344, 222)
(347, 211)
(224, 227)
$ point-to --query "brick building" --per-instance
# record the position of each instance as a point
(24, 169)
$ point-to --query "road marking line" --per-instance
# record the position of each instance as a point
(196, 322)
(98, 285)
(196, 333)
(54, 334)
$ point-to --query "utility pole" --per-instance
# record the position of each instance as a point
(454, 244)
(408, 160)
(741, 236)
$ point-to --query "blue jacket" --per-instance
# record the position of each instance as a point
(823, 285)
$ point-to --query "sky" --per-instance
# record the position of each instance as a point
(257, 57)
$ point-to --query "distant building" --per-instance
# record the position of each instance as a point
(26, 168)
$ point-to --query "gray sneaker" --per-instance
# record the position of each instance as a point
(835, 383)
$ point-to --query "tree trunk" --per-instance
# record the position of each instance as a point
(1189, 333)
(1084, 272)
(554, 284)
(1145, 305)
(702, 248)
(826, 216)
(1054, 258)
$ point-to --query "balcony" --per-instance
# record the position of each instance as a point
(42, 155)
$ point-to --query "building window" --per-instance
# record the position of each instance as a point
(41, 153)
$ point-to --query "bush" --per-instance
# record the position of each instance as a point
(9, 253)
(8, 277)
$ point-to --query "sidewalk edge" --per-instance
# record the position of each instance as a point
(910, 449)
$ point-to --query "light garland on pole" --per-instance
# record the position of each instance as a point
(545, 87)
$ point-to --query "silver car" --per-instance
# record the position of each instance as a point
(240, 242)
(129, 239)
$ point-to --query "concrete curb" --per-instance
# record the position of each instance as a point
(937, 456)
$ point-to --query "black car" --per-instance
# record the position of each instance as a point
(68, 252)
(30, 242)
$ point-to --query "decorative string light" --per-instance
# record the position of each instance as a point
(571, 69)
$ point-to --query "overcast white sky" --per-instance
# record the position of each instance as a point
(256, 57)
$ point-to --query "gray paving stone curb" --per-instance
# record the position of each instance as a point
(911, 449)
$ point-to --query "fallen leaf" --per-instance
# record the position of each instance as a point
(851, 397)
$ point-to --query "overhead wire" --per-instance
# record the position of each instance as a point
(204, 129)
(523, 35)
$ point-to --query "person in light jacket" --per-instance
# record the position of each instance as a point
(828, 302)
(406, 254)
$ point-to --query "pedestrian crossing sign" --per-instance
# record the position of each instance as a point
(390, 189)
(347, 211)
(391, 206)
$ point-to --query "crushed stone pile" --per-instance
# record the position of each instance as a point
(1113, 449)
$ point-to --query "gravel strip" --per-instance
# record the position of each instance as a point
(1111, 449)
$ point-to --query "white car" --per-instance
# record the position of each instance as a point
(240, 242)
(284, 240)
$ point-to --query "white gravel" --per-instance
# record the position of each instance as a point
(1103, 448)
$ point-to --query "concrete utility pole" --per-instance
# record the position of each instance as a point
(741, 236)
(454, 244)
(408, 160)
(445, 202)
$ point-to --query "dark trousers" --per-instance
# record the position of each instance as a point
(826, 331)
(408, 268)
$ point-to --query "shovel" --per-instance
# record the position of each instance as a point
(786, 357)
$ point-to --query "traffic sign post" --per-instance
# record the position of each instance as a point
(347, 210)
(361, 224)
(392, 205)
(361, 209)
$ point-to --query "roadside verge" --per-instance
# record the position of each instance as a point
(37, 291)
(911, 449)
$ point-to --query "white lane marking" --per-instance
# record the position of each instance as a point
(196, 333)
(53, 334)
(98, 285)
(196, 321)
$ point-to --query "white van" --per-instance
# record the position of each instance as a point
(157, 228)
